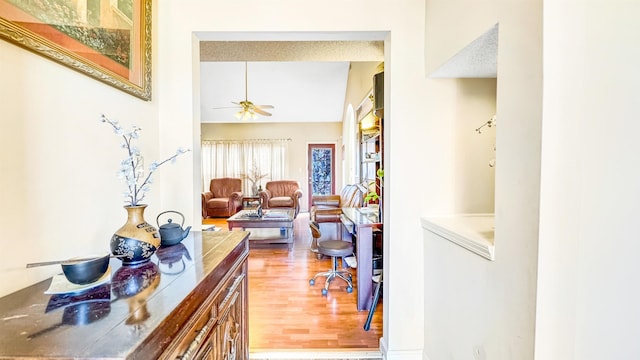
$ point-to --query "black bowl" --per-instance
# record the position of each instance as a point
(87, 271)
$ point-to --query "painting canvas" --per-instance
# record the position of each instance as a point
(109, 40)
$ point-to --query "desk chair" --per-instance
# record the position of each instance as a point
(334, 249)
(376, 297)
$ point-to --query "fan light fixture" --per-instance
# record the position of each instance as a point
(246, 114)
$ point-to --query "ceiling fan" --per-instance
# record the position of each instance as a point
(248, 110)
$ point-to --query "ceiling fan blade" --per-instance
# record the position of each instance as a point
(226, 107)
(245, 105)
(257, 110)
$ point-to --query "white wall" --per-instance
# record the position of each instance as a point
(59, 196)
(58, 188)
(588, 271)
(475, 308)
(71, 167)
(404, 76)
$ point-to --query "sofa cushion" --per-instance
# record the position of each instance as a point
(224, 187)
(281, 201)
(218, 203)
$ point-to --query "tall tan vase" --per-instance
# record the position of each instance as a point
(137, 240)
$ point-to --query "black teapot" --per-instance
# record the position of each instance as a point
(171, 233)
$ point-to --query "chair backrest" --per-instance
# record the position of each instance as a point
(352, 196)
(224, 187)
(282, 187)
(315, 229)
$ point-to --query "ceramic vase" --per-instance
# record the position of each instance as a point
(137, 240)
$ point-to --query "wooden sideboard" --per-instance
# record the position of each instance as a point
(188, 302)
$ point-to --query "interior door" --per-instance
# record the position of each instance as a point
(322, 178)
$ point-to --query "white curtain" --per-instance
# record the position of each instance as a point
(242, 158)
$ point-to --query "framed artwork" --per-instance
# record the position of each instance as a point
(109, 40)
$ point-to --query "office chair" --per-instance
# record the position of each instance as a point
(376, 296)
(334, 249)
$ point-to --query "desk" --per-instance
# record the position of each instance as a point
(360, 223)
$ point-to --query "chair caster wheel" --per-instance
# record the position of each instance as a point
(349, 289)
(325, 292)
(312, 282)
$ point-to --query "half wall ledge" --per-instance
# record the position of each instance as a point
(474, 232)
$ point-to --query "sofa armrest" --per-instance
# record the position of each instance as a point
(265, 195)
(296, 201)
(206, 196)
(236, 196)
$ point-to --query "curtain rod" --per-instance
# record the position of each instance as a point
(288, 139)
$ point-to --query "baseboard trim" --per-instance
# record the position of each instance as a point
(403, 355)
(399, 354)
(314, 354)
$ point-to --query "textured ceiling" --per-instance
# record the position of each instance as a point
(291, 51)
(305, 81)
(479, 59)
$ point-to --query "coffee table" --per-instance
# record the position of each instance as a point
(250, 201)
(275, 226)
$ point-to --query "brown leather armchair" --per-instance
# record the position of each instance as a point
(223, 199)
(281, 194)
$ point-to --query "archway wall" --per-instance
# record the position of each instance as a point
(183, 24)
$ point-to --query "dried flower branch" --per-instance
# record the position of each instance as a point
(132, 167)
(254, 175)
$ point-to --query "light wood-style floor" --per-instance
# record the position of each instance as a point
(287, 314)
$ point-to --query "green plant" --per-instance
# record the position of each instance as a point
(375, 186)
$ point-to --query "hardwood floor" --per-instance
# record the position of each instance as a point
(287, 314)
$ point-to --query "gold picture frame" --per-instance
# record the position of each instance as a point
(109, 40)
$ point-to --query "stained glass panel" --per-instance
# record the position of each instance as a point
(321, 176)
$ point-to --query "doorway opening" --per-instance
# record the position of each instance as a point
(244, 49)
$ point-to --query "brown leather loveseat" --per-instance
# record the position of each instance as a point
(223, 199)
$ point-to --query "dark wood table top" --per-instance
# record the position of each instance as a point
(270, 217)
(118, 318)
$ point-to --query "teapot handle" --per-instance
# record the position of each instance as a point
(169, 211)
